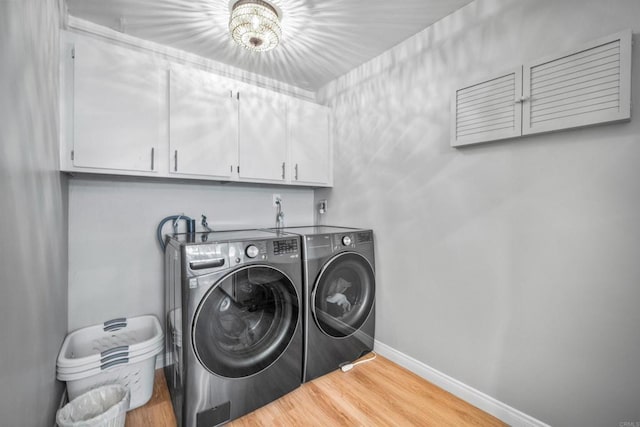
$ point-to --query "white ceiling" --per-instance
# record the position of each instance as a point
(321, 40)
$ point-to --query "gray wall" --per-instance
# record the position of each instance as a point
(33, 258)
(511, 266)
(115, 262)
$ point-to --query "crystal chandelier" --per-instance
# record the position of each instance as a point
(255, 25)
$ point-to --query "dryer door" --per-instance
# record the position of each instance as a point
(343, 295)
(245, 322)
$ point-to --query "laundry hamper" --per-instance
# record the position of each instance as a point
(120, 351)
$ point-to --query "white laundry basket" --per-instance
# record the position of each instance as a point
(88, 346)
(120, 351)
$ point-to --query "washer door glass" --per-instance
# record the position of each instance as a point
(344, 295)
(245, 322)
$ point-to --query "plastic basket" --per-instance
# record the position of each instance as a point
(137, 376)
(91, 345)
(120, 351)
(67, 374)
(104, 406)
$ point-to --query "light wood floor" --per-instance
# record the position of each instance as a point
(377, 393)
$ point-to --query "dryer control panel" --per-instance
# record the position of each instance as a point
(344, 240)
(352, 239)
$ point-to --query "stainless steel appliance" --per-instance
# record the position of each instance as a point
(234, 329)
(339, 294)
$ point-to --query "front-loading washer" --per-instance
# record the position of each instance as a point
(234, 329)
(339, 296)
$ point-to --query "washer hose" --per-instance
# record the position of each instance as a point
(175, 219)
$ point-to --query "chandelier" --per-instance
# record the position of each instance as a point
(255, 25)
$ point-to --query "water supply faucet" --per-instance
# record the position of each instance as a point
(205, 224)
(279, 215)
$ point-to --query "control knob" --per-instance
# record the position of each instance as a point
(252, 251)
(346, 241)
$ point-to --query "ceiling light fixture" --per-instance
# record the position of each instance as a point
(255, 25)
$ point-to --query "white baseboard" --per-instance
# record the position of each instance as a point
(475, 397)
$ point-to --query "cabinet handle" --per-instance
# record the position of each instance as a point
(283, 169)
(175, 161)
(152, 157)
(296, 170)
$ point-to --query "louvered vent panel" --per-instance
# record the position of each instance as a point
(587, 86)
(579, 84)
(487, 110)
(583, 88)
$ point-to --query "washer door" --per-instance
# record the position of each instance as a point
(245, 322)
(343, 295)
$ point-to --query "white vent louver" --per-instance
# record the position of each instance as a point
(488, 110)
(586, 87)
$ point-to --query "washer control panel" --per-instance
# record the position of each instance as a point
(285, 247)
(252, 251)
(207, 257)
(241, 252)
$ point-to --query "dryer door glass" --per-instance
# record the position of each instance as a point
(343, 295)
(245, 321)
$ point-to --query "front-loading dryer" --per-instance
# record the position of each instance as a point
(234, 330)
(339, 294)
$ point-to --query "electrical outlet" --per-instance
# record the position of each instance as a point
(323, 206)
(276, 197)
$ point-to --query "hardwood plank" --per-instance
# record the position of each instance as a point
(378, 393)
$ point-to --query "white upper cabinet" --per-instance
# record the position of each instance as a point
(203, 114)
(308, 136)
(118, 109)
(133, 112)
(488, 110)
(262, 135)
(586, 86)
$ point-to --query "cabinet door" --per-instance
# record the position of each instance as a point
(587, 86)
(203, 135)
(262, 136)
(118, 105)
(488, 110)
(310, 143)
